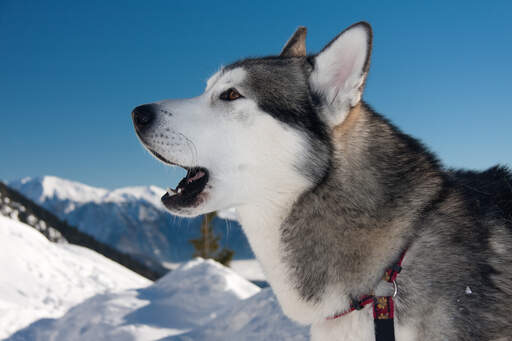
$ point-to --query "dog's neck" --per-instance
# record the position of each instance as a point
(261, 223)
(322, 247)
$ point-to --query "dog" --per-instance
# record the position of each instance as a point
(331, 195)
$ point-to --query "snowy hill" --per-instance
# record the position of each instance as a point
(255, 319)
(44, 279)
(132, 219)
(201, 300)
(16, 206)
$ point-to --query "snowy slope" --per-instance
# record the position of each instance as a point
(249, 269)
(132, 220)
(195, 294)
(257, 318)
(44, 279)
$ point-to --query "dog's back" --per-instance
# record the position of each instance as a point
(465, 259)
(489, 193)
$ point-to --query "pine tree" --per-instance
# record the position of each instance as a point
(207, 245)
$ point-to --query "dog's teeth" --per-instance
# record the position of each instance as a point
(170, 191)
(179, 190)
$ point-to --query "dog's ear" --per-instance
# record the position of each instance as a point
(296, 45)
(340, 71)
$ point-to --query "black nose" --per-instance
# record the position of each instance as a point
(143, 116)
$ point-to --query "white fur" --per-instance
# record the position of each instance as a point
(259, 223)
(339, 73)
(258, 153)
(405, 332)
(356, 326)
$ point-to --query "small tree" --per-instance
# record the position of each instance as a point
(207, 245)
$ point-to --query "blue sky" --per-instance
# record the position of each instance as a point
(71, 71)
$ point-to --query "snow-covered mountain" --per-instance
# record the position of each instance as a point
(201, 300)
(41, 279)
(131, 219)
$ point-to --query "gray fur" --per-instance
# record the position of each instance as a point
(296, 45)
(386, 193)
(280, 87)
(377, 192)
(365, 203)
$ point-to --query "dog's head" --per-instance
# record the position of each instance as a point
(262, 127)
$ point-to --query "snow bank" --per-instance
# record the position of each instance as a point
(257, 318)
(249, 269)
(43, 279)
(184, 299)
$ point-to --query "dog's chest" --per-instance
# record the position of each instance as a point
(358, 325)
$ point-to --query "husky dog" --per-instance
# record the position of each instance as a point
(330, 194)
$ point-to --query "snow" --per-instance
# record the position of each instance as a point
(12, 209)
(200, 300)
(249, 269)
(257, 318)
(64, 292)
(43, 279)
(51, 187)
(150, 194)
(54, 187)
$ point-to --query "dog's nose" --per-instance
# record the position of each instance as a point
(143, 116)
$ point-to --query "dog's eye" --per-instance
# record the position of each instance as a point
(230, 95)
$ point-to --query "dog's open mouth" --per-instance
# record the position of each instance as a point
(188, 191)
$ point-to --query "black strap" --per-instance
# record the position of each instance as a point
(384, 330)
(383, 318)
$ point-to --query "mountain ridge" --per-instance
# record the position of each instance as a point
(130, 219)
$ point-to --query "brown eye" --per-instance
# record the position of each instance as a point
(230, 95)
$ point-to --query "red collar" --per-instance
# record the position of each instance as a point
(383, 306)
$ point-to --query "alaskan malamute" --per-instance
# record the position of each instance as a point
(335, 200)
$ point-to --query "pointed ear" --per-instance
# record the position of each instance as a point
(296, 45)
(340, 71)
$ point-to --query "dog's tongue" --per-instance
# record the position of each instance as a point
(196, 176)
(192, 175)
